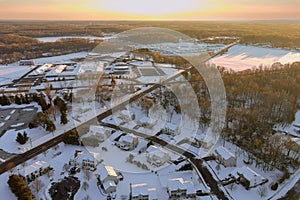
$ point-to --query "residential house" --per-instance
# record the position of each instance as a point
(142, 192)
(100, 132)
(176, 188)
(129, 141)
(171, 129)
(34, 170)
(86, 160)
(108, 173)
(157, 156)
(109, 186)
(248, 177)
(225, 157)
(139, 191)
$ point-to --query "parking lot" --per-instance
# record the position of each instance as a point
(16, 118)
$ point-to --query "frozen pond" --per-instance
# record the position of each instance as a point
(241, 57)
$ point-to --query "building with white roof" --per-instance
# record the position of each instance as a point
(171, 129)
(157, 156)
(141, 191)
(248, 177)
(34, 170)
(100, 132)
(176, 188)
(146, 122)
(108, 178)
(108, 173)
(87, 160)
(109, 186)
(225, 157)
(190, 189)
(129, 141)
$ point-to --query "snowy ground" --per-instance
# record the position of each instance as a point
(241, 57)
(294, 128)
(237, 191)
(54, 39)
(12, 71)
(61, 154)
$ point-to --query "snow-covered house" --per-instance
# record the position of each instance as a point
(108, 173)
(34, 170)
(129, 141)
(157, 156)
(139, 191)
(190, 189)
(176, 188)
(248, 177)
(171, 129)
(109, 186)
(108, 178)
(100, 132)
(87, 160)
(124, 115)
(146, 122)
(225, 157)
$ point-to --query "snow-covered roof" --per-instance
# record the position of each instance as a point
(59, 69)
(33, 167)
(154, 150)
(152, 193)
(129, 138)
(171, 126)
(225, 153)
(247, 173)
(107, 171)
(97, 129)
(83, 156)
(176, 184)
(139, 189)
(190, 187)
(296, 140)
(146, 120)
(108, 184)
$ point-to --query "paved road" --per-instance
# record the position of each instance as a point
(294, 193)
(207, 176)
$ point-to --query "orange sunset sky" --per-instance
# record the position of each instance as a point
(149, 9)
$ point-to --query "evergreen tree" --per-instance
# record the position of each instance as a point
(63, 117)
(22, 138)
(18, 100)
(50, 126)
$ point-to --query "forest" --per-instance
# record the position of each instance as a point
(257, 100)
(17, 37)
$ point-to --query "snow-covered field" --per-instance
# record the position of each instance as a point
(241, 57)
(11, 72)
(60, 59)
(54, 39)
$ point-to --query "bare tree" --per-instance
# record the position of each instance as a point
(66, 167)
(262, 191)
(87, 198)
(85, 185)
(37, 185)
(87, 174)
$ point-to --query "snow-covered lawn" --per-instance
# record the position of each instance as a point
(237, 191)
